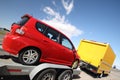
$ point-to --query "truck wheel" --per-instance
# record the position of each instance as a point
(75, 64)
(48, 74)
(66, 75)
(29, 56)
(101, 75)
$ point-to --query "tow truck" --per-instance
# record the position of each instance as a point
(43, 71)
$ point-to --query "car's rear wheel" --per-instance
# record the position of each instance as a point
(29, 56)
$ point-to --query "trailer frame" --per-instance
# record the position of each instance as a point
(58, 72)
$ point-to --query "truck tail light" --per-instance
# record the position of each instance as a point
(20, 31)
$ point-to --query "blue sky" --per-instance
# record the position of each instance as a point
(97, 20)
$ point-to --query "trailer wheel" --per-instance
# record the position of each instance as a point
(48, 74)
(29, 56)
(66, 75)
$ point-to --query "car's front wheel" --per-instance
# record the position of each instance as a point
(75, 64)
(29, 56)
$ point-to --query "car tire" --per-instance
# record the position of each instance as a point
(66, 75)
(30, 56)
(75, 64)
(48, 74)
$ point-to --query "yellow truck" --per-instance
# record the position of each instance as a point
(96, 57)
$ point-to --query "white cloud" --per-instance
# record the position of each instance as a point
(49, 11)
(66, 28)
(60, 23)
(68, 5)
(55, 15)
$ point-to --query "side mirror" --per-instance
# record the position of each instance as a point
(6, 29)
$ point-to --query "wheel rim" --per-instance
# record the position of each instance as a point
(48, 76)
(101, 75)
(67, 76)
(75, 64)
(30, 56)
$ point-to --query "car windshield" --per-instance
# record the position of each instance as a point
(22, 21)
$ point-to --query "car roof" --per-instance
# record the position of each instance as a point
(27, 15)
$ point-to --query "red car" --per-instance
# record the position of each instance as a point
(32, 41)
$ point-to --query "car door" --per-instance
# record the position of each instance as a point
(59, 48)
(52, 46)
(48, 43)
(67, 50)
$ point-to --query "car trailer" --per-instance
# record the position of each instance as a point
(43, 71)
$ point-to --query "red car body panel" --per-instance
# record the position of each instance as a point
(52, 52)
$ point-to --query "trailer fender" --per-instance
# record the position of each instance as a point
(44, 66)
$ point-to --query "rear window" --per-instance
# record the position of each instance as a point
(22, 21)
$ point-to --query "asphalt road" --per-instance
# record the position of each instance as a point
(86, 75)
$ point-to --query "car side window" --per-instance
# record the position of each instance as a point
(40, 27)
(65, 42)
(52, 34)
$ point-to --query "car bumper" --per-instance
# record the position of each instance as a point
(11, 44)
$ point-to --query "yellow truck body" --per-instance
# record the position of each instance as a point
(95, 56)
